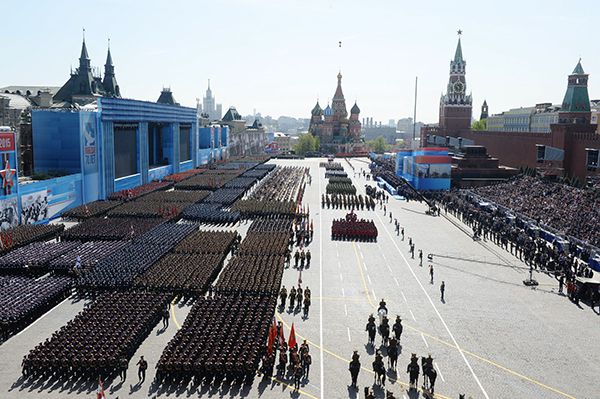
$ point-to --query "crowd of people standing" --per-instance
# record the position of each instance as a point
(564, 260)
(571, 210)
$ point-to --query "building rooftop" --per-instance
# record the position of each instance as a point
(32, 89)
(166, 97)
(17, 101)
(232, 115)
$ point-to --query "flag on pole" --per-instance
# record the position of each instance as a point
(281, 337)
(292, 341)
(272, 336)
(100, 391)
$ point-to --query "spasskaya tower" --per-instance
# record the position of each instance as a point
(456, 105)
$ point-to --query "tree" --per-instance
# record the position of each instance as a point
(479, 125)
(379, 145)
(306, 143)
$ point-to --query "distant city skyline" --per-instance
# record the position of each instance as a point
(278, 57)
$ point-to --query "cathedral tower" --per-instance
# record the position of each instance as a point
(316, 119)
(355, 126)
(338, 104)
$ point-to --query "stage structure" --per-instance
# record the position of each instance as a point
(122, 144)
(425, 168)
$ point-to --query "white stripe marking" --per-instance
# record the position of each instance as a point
(369, 278)
(396, 281)
(321, 298)
(389, 268)
(424, 340)
(402, 292)
(436, 311)
(346, 309)
(374, 296)
(437, 366)
(412, 314)
(341, 277)
(348, 329)
(343, 293)
(42, 316)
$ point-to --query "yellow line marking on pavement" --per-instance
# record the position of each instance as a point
(515, 373)
(450, 345)
(393, 380)
(300, 391)
(362, 276)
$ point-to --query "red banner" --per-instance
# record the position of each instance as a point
(433, 159)
(7, 141)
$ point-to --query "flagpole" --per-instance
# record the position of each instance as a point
(415, 113)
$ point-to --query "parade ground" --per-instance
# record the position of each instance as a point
(491, 336)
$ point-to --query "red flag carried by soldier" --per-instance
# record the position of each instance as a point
(292, 341)
(281, 337)
(100, 391)
(272, 336)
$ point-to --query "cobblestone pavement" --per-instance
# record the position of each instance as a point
(492, 337)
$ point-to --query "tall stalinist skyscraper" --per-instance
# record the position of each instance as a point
(214, 111)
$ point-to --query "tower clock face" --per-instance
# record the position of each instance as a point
(459, 87)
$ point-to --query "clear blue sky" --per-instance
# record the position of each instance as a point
(278, 56)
